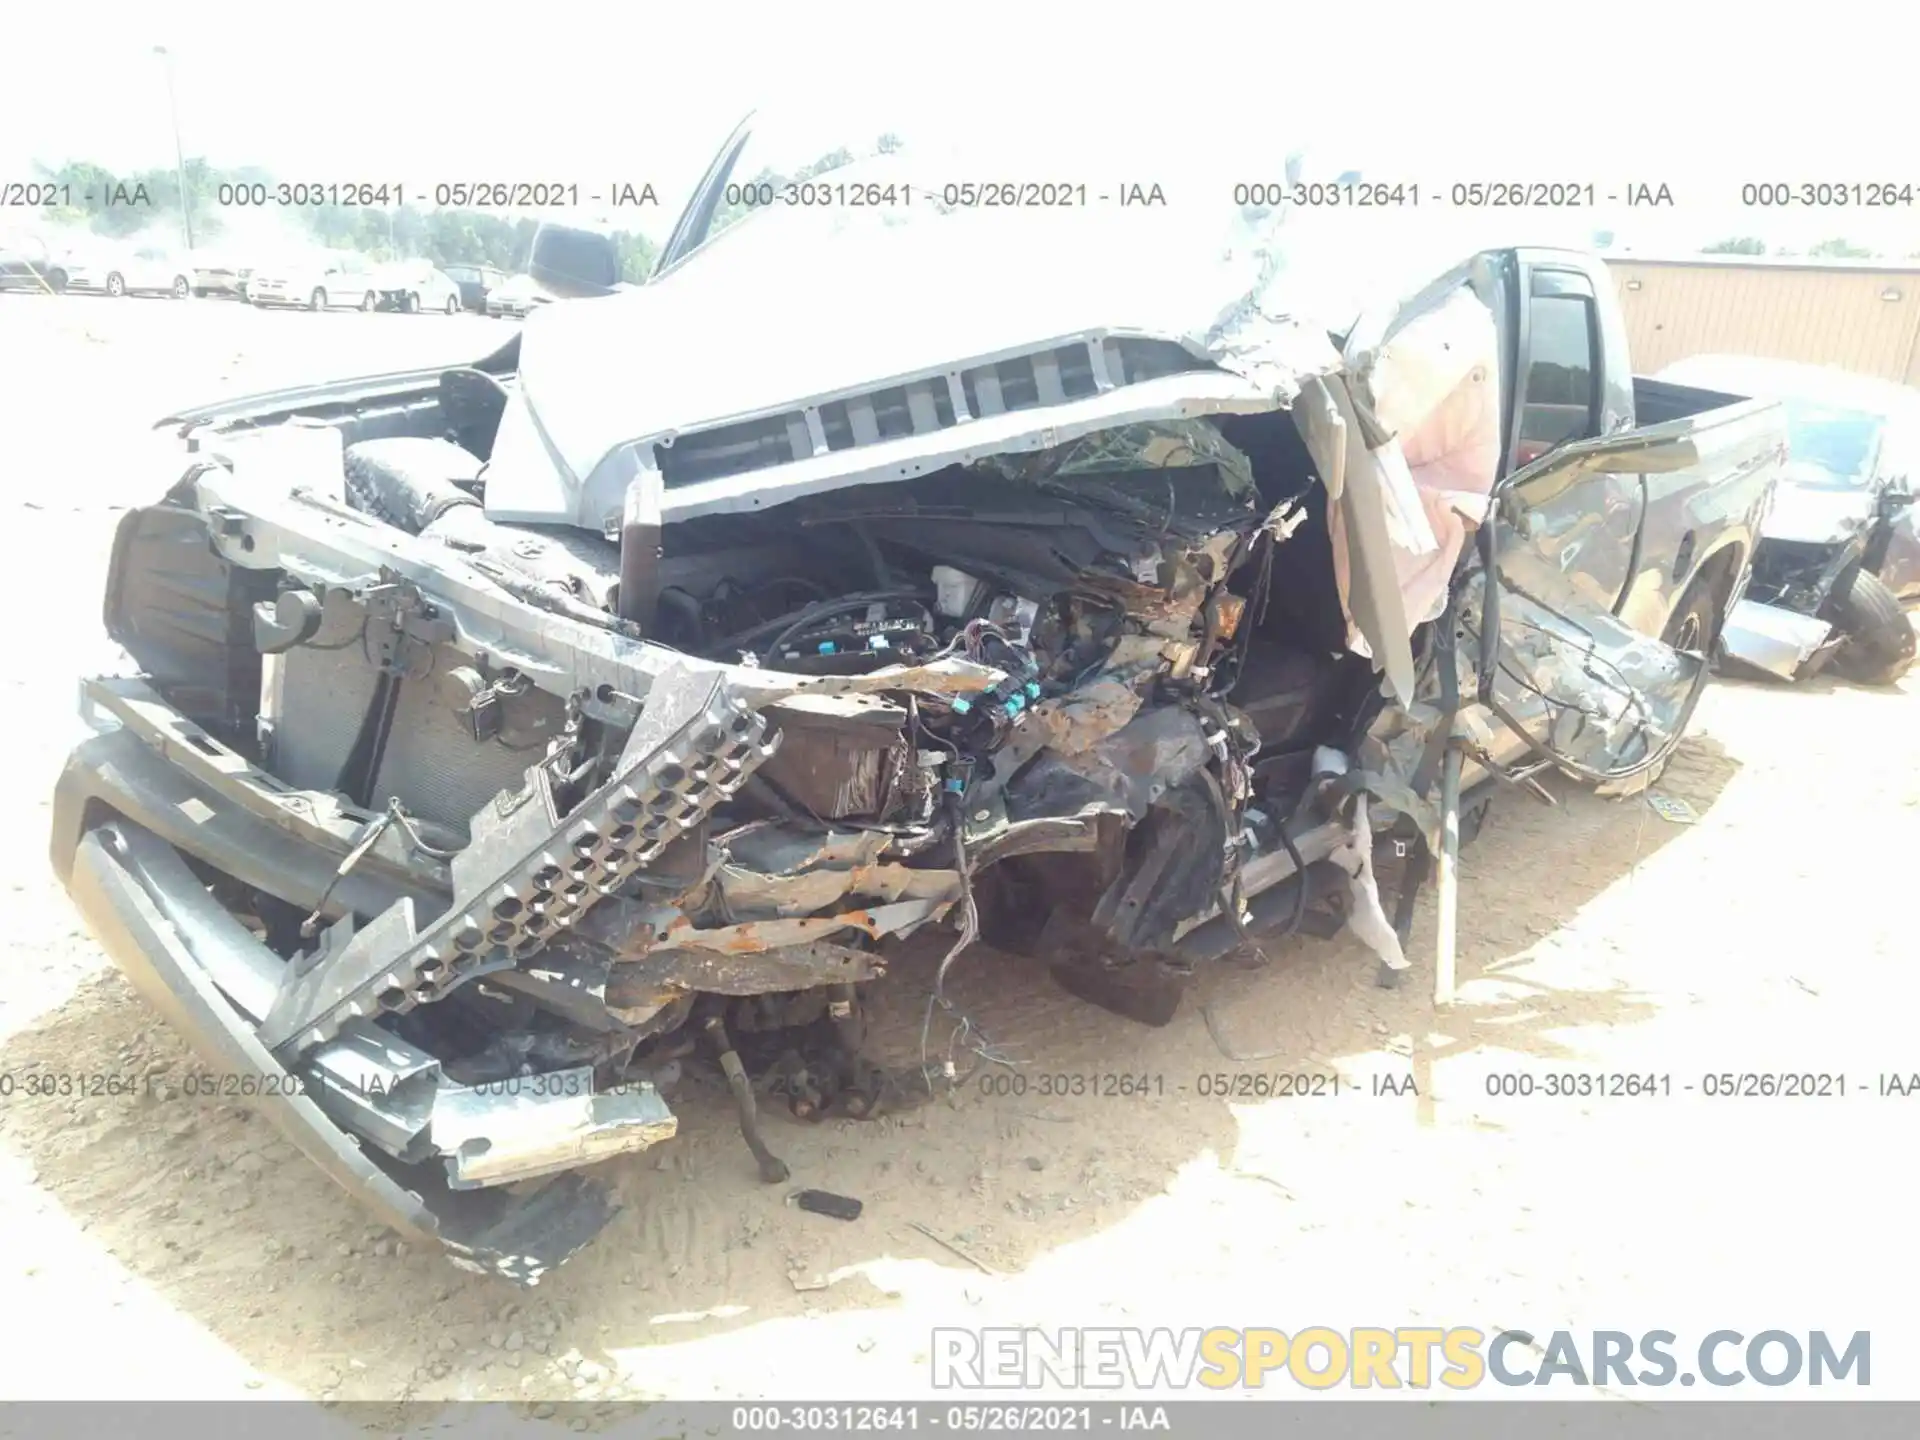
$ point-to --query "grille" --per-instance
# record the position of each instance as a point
(920, 407)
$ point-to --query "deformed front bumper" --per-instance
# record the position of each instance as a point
(152, 919)
(426, 1156)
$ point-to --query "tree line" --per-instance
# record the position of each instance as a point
(121, 205)
(1837, 249)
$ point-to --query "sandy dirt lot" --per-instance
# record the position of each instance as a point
(169, 1246)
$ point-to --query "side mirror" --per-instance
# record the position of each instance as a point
(573, 263)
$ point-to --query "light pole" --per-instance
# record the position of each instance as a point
(179, 157)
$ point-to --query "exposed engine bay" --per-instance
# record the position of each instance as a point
(1101, 591)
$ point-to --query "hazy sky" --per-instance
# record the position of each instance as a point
(1614, 94)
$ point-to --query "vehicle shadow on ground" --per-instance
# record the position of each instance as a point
(1813, 685)
(205, 1203)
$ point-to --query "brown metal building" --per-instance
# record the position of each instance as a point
(1861, 315)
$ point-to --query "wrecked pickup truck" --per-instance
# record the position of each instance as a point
(503, 733)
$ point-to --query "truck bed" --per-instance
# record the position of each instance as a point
(1657, 401)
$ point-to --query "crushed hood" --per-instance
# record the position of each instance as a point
(782, 311)
(1818, 514)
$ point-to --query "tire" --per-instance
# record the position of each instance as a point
(181, 288)
(412, 306)
(57, 281)
(116, 285)
(317, 300)
(1695, 622)
(1878, 647)
(1694, 625)
(369, 302)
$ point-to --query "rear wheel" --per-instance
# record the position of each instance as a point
(1696, 621)
(180, 287)
(413, 303)
(369, 302)
(116, 285)
(1878, 647)
(453, 305)
(317, 300)
(1694, 626)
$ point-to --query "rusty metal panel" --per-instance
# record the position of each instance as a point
(1861, 318)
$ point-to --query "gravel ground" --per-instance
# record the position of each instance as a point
(177, 1247)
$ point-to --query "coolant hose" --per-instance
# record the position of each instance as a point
(407, 481)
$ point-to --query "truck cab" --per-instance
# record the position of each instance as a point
(1619, 525)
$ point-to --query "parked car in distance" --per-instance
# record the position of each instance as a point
(316, 282)
(218, 275)
(475, 282)
(515, 296)
(414, 285)
(120, 270)
(28, 261)
(1840, 549)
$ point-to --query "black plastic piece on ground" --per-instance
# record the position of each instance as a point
(1149, 998)
(1218, 937)
(822, 1202)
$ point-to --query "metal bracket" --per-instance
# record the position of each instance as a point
(1524, 779)
(400, 618)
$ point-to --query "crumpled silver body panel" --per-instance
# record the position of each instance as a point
(1773, 639)
(521, 1129)
(1816, 514)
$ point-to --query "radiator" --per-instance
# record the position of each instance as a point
(316, 699)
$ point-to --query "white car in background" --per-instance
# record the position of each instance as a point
(218, 275)
(415, 285)
(30, 261)
(515, 296)
(118, 270)
(329, 280)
